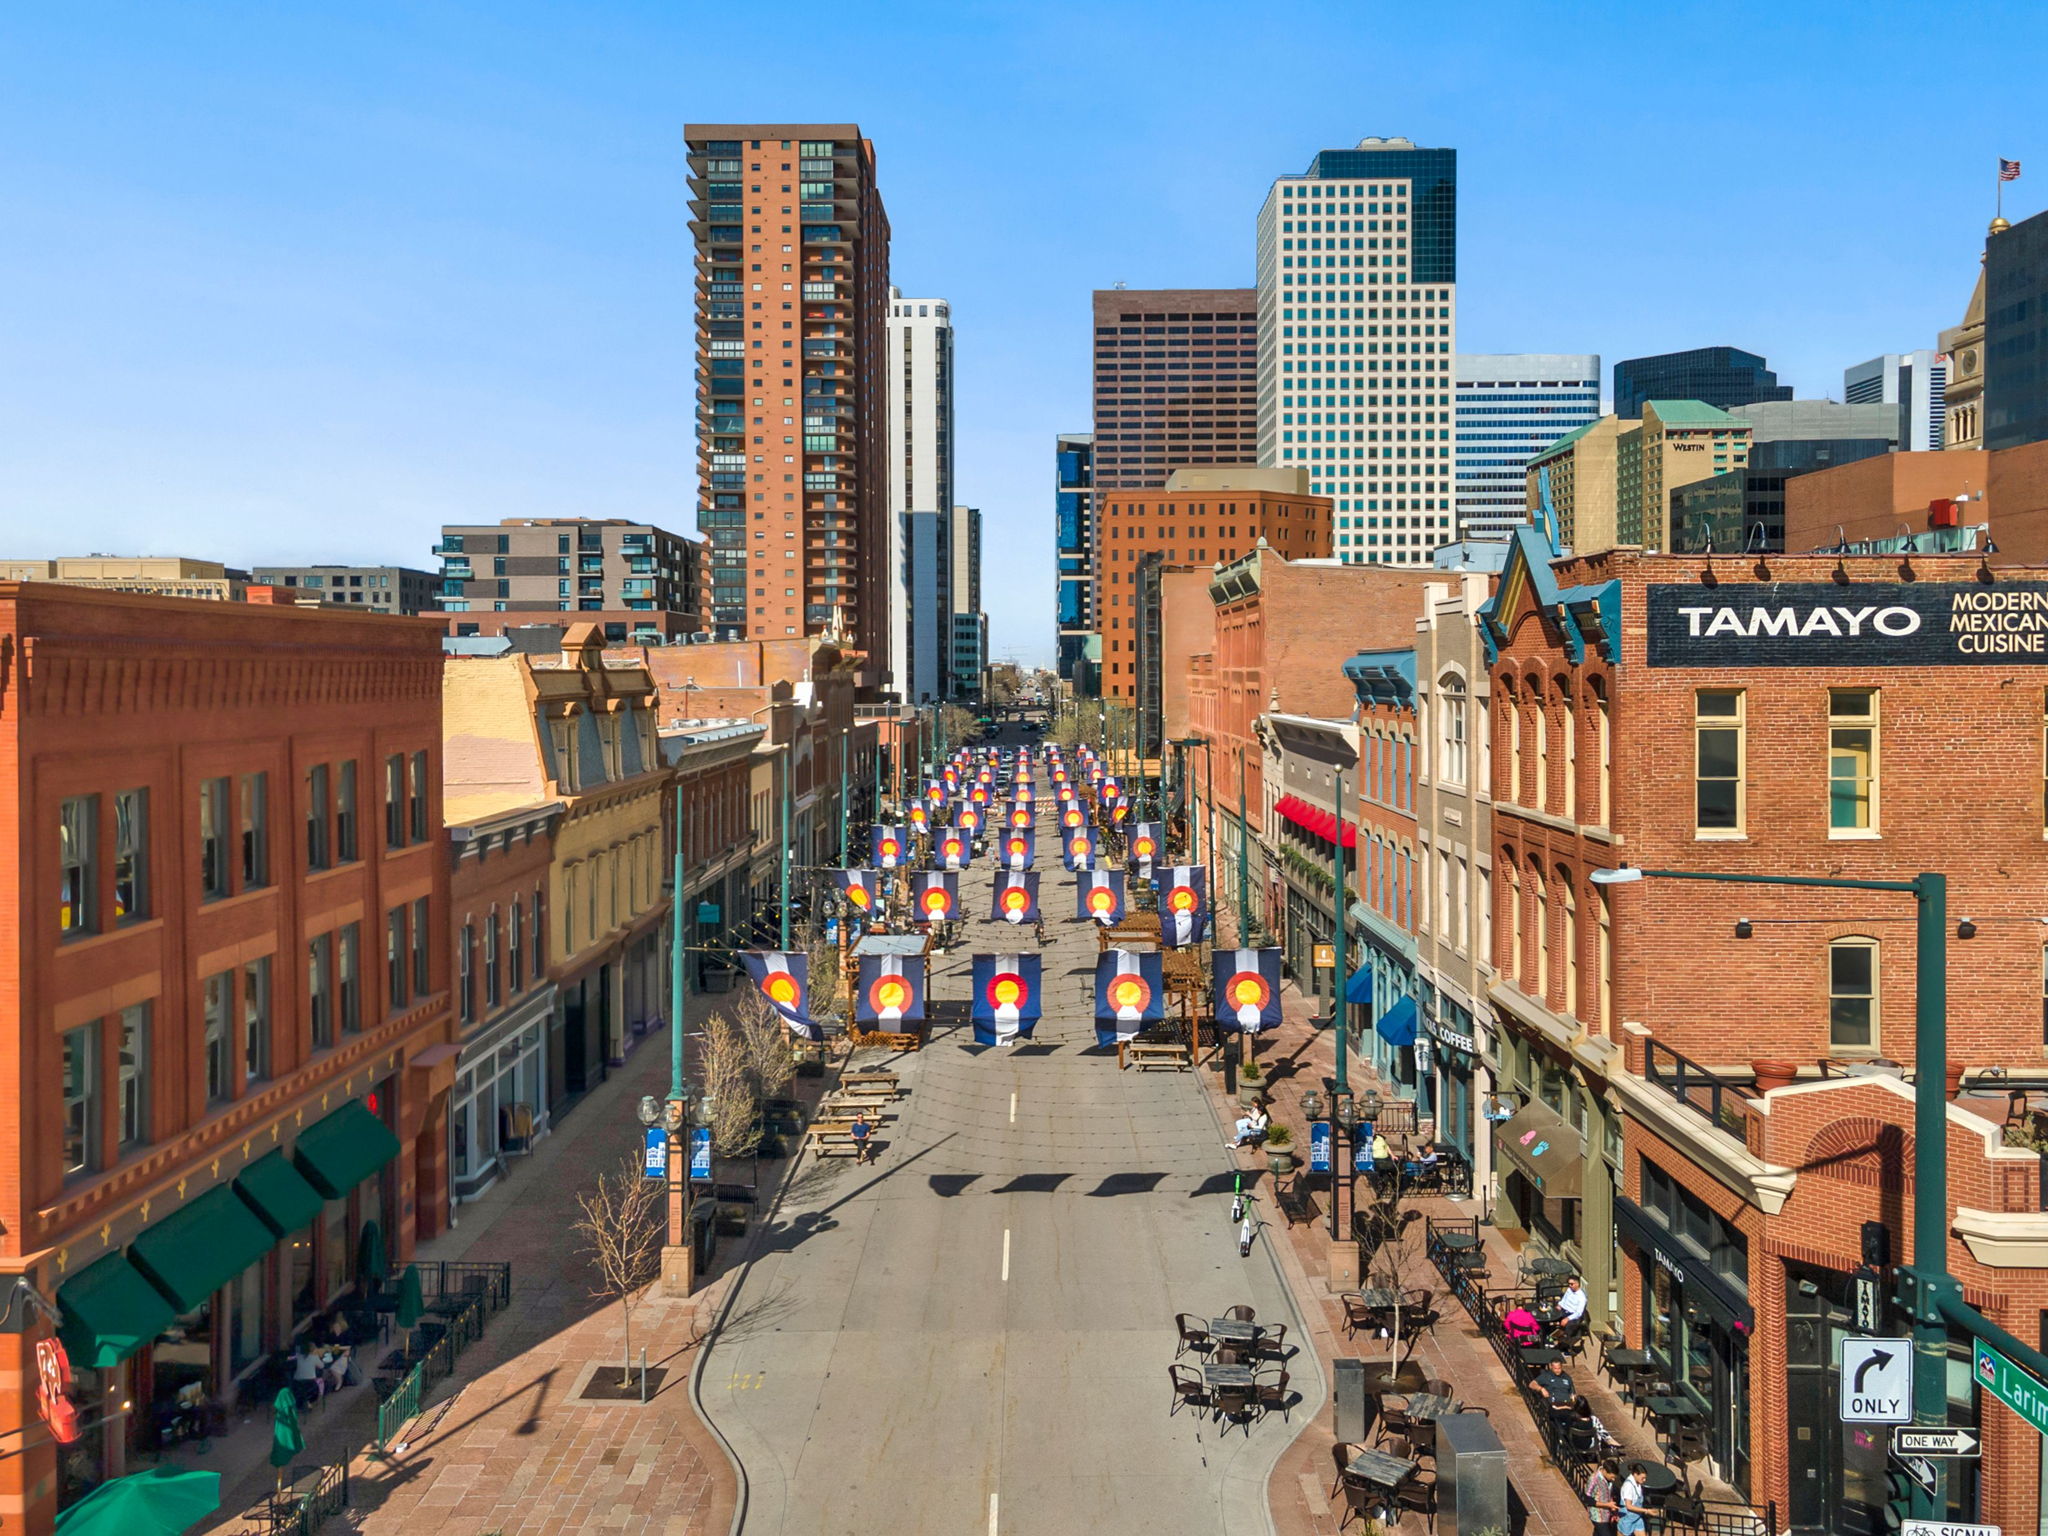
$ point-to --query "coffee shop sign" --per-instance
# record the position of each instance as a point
(1817, 623)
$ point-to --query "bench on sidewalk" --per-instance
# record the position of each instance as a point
(1148, 1053)
(882, 1040)
(862, 1093)
(827, 1142)
(1297, 1201)
(848, 1079)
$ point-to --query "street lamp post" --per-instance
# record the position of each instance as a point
(1929, 1294)
(788, 773)
(1243, 861)
(1339, 1015)
(677, 1258)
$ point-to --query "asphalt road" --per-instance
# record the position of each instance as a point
(972, 1335)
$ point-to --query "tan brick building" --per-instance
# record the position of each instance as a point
(1675, 443)
(1580, 466)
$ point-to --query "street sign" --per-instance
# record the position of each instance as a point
(1945, 1528)
(1319, 1147)
(1877, 1381)
(1325, 958)
(656, 1165)
(1919, 1468)
(1869, 1301)
(2017, 1389)
(1936, 1442)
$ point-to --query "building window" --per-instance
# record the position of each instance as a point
(213, 839)
(220, 999)
(515, 946)
(1568, 728)
(419, 797)
(345, 814)
(256, 1020)
(422, 949)
(1717, 736)
(494, 992)
(317, 813)
(540, 952)
(394, 958)
(1602, 726)
(255, 830)
(394, 800)
(320, 990)
(81, 1099)
(1571, 941)
(134, 1075)
(131, 856)
(348, 978)
(465, 968)
(1852, 994)
(78, 866)
(1852, 761)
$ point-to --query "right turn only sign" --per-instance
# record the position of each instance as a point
(1877, 1381)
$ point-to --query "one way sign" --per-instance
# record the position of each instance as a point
(1877, 1381)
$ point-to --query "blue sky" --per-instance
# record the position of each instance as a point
(301, 282)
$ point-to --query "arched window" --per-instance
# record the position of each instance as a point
(1605, 962)
(1602, 814)
(1450, 729)
(1568, 729)
(1539, 726)
(1511, 723)
(1540, 894)
(1570, 913)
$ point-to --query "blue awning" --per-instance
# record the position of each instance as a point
(1398, 1024)
(1359, 988)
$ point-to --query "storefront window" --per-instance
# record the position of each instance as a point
(244, 1297)
(334, 1252)
(298, 1263)
(183, 1366)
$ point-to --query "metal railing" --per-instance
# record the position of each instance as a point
(492, 1280)
(1705, 1093)
(313, 1495)
(399, 1408)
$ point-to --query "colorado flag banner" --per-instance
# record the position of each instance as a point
(920, 818)
(1077, 849)
(952, 848)
(1019, 814)
(888, 846)
(1100, 895)
(784, 979)
(934, 897)
(1018, 850)
(1146, 847)
(1130, 992)
(1005, 997)
(860, 889)
(890, 991)
(1016, 898)
(1183, 905)
(1247, 985)
(969, 820)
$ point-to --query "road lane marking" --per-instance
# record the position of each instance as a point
(1006, 1254)
(992, 1515)
(1013, 1107)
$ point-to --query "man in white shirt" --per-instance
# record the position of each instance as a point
(1572, 1304)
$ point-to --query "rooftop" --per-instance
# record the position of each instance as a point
(1692, 413)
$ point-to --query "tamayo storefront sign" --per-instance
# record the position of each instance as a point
(1822, 624)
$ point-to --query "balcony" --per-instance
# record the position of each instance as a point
(1721, 1102)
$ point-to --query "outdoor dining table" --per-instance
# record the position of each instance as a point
(1219, 1375)
(1657, 1479)
(1537, 1356)
(1233, 1336)
(1457, 1240)
(1546, 1265)
(1428, 1407)
(1388, 1471)
(1379, 1299)
(1670, 1412)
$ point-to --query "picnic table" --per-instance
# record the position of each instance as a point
(1380, 1467)
(1146, 1053)
(869, 1077)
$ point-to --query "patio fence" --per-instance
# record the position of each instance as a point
(313, 1495)
(398, 1408)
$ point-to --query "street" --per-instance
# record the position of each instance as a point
(973, 1334)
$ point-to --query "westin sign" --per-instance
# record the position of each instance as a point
(1821, 624)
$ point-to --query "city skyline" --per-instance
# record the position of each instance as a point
(458, 289)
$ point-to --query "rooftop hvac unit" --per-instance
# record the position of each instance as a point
(1943, 513)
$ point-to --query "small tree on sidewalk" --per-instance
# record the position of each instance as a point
(621, 1232)
(766, 1038)
(1398, 1265)
(729, 1083)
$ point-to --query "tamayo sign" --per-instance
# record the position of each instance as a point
(1864, 624)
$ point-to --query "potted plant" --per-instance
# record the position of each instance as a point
(1279, 1145)
(1771, 1073)
(1251, 1083)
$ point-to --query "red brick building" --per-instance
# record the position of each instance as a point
(222, 967)
(1866, 717)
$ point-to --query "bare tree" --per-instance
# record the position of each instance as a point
(621, 1230)
(824, 958)
(766, 1037)
(729, 1082)
(1397, 1264)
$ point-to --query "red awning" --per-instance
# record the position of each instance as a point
(1312, 818)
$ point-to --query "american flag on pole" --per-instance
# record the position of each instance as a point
(2008, 170)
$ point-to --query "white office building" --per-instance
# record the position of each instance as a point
(1510, 407)
(1358, 303)
(1915, 382)
(920, 394)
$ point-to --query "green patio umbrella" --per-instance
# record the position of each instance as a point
(410, 1305)
(285, 1440)
(165, 1501)
(373, 1265)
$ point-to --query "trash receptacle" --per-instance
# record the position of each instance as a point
(1348, 1401)
(1471, 1475)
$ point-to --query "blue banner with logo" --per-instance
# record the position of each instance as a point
(656, 1165)
(700, 1152)
(1319, 1147)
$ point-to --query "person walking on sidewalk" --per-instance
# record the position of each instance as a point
(1629, 1520)
(1601, 1507)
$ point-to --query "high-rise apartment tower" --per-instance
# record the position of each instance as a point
(1725, 377)
(1175, 382)
(920, 388)
(792, 299)
(1915, 382)
(1079, 644)
(1512, 406)
(1358, 297)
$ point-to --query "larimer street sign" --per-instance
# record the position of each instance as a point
(1877, 1381)
(2015, 1388)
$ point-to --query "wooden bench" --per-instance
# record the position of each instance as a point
(882, 1040)
(853, 1079)
(827, 1141)
(1297, 1202)
(864, 1093)
(1143, 1053)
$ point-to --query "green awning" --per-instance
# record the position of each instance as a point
(110, 1311)
(338, 1153)
(196, 1251)
(282, 1198)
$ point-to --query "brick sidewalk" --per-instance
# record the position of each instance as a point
(502, 1447)
(1456, 1351)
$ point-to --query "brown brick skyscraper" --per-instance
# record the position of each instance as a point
(792, 295)
(1176, 382)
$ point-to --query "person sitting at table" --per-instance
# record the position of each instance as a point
(1251, 1128)
(1381, 1152)
(1571, 1305)
(1430, 1157)
(1521, 1324)
(1583, 1414)
(1554, 1386)
(860, 1130)
(308, 1384)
